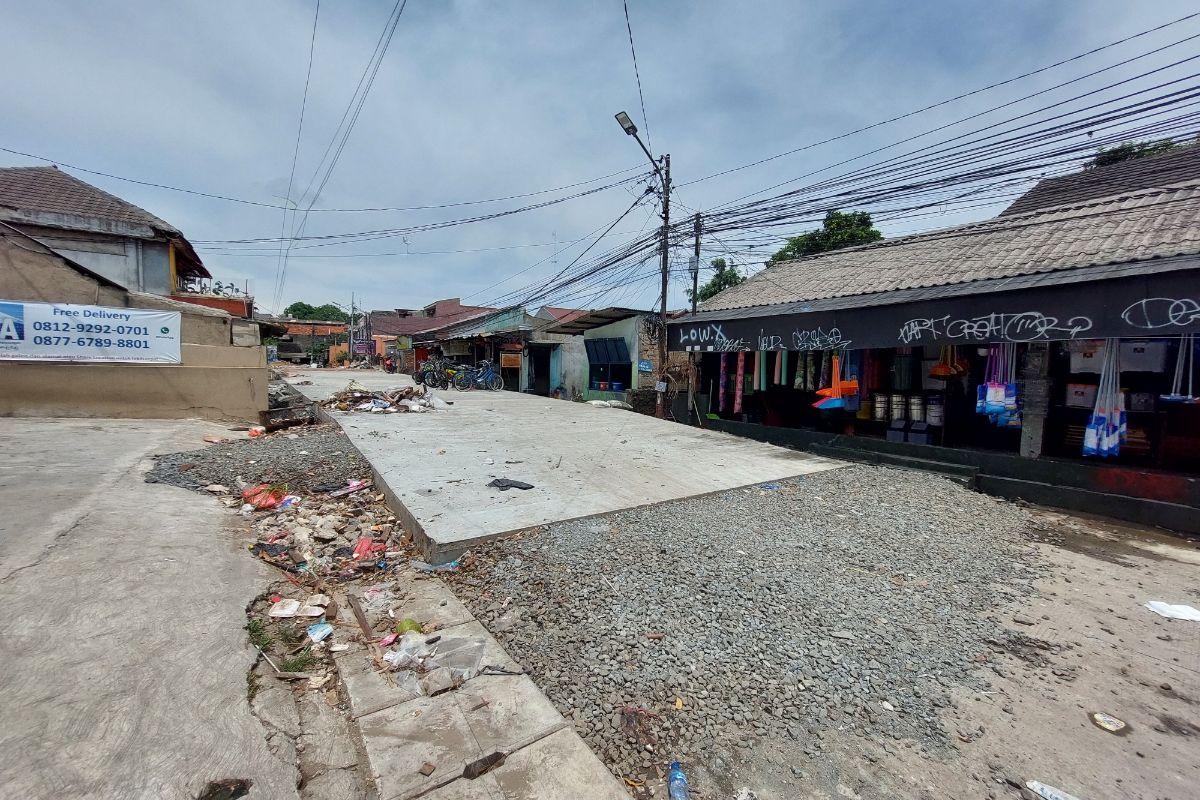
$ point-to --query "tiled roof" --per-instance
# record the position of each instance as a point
(390, 323)
(1131, 227)
(29, 191)
(1168, 169)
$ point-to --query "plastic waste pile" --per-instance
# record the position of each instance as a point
(399, 399)
(343, 533)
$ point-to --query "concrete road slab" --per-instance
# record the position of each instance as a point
(559, 767)
(582, 460)
(124, 654)
(482, 788)
(400, 739)
(505, 709)
(369, 691)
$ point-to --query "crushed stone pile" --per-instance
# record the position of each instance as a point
(852, 599)
(310, 459)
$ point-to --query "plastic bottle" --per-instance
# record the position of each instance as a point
(677, 785)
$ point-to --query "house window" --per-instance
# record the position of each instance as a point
(609, 364)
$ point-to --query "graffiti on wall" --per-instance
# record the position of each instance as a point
(1154, 313)
(1024, 326)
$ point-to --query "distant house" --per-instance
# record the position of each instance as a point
(111, 237)
(395, 329)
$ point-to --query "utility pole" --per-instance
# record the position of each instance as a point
(695, 265)
(660, 410)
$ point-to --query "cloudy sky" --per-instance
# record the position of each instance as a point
(478, 100)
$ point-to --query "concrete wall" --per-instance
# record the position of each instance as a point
(571, 361)
(216, 379)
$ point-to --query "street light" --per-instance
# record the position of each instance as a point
(664, 177)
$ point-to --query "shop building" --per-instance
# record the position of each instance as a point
(1025, 305)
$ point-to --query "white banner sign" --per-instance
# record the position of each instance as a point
(61, 332)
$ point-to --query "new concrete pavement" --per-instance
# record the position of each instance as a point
(122, 659)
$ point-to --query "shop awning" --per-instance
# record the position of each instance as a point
(602, 352)
(598, 318)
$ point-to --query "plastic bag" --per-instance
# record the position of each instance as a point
(262, 496)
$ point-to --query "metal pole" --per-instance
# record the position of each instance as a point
(662, 311)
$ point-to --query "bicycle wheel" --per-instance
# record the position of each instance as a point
(418, 377)
(462, 381)
(496, 383)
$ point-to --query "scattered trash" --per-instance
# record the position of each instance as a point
(657, 636)
(256, 431)
(679, 704)
(215, 439)
(288, 502)
(1108, 722)
(284, 608)
(350, 488)
(320, 631)
(1048, 792)
(388, 640)
(339, 648)
(216, 488)
(427, 769)
(770, 487)
(263, 496)
(318, 600)
(310, 611)
(408, 625)
(447, 567)
(677, 782)
(356, 397)
(504, 484)
(1174, 611)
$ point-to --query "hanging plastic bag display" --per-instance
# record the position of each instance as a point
(722, 384)
(998, 396)
(1106, 429)
(1185, 359)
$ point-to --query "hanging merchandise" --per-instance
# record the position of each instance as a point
(738, 383)
(1187, 353)
(1106, 429)
(997, 395)
(724, 380)
(853, 370)
(831, 396)
(823, 380)
(780, 358)
(798, 383)
(944, 368)
(810, 371)
(757, 368)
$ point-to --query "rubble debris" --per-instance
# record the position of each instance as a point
(356, 397)
(427, 769)
(1171, 611)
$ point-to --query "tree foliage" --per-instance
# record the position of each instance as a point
(837, 231)
(326, 313)
(726, 275)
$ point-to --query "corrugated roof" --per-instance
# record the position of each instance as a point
(49, 190)
(1167, 169)
(1135, 226)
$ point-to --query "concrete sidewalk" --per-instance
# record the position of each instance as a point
(124, 667)
(582, 460)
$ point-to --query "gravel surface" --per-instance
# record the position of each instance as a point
(318, 456)
(850, 599)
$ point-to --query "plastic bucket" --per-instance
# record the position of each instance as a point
(617, 386)
(916, 408)
(879, 407)
(899, 407)
(604, 386)
(935, 412)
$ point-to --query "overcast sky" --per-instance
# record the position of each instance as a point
(477, 100)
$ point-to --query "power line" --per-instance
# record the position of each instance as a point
(636, 74)
(312, 44)
(941, 103)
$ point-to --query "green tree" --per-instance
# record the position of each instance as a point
(326, 313)
(1128, 151)
(837, 231)
(726, 276)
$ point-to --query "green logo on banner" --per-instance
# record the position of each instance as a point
(164, 329)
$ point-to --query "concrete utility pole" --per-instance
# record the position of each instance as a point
(660, 410)
(695, 267)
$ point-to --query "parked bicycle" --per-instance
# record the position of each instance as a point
(482, 376)
(436, 373)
